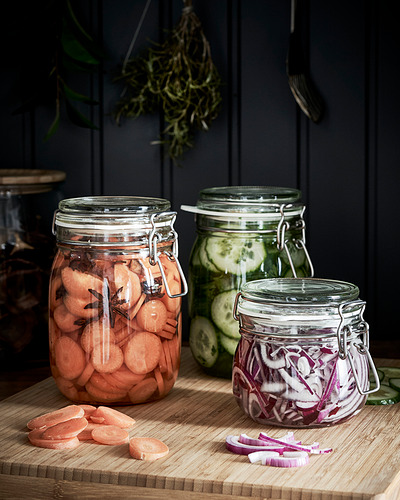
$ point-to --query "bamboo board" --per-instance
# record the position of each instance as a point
(194, 420)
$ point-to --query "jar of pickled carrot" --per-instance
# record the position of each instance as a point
(243, 233)
(303, 358)
(115, 300)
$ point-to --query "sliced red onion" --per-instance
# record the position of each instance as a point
(264, 457)
(294, 446)
(233, 444)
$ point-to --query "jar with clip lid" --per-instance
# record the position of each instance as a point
(115, 321)
(243, 233)
(303, 358)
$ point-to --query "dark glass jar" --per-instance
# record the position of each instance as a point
(303, 358)
(115, 300)
(28, 199)
(243, 233)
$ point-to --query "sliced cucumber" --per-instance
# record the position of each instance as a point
(222, 314)
(204, 260)
(235, 255)
(203, 341)
(385, 396)
(389, 372)
(380, 373)
(228, 344)
(395, 383)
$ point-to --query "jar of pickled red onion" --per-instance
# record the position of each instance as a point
(115, 300)
(303, 358)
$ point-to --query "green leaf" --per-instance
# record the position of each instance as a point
(74, 48)
(75, 96)
(77, 118)
(54, 126)
(76, 22)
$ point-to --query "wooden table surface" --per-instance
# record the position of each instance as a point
(194, 420)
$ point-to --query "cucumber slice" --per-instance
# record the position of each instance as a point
(203, 341)
(228, 344)
(235, 255)
(222, 314)
(385, 396)
(395, 383)
(204, 260)
(390, 372)
(380, 373)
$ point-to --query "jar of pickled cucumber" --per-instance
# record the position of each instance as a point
(115, 300)
(28, 199)
(303, 357)
(243, 233)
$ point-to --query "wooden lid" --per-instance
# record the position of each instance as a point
(22, 176)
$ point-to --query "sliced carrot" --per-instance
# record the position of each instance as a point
(110, 435)
(85, 375)
(103, 383)
(100, 396)
(160, 380)
(172, 303)
(126, 378)
(145, 448)
(162, 362)
(65, 430)
(86, 434)
(55, 417)
(107, 358)
(152, 316)
(77, 306)
(66, 387)
(142, 392)
(142, 352)
(133, 312)
(97, 420)
(78, 284)
(55, 298)
(169, 371)
(88, 409)
(35, 437)
(170, 267)
(114, 417)
(129, 283)
(165, 335)
(95, 333)
(69, 358)
(65, 319)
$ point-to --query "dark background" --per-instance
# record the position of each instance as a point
(347, 166)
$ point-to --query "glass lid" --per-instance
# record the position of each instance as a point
(114, 205)
(300, 291)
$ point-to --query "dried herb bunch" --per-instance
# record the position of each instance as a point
(177, 77)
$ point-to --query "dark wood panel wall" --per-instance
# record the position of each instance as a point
(347, 166)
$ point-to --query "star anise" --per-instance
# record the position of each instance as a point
(107, 304)
(153, 288)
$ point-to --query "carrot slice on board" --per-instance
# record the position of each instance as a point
(69, 358)
(114, 417)
(85, 375)
(110, 434)
(144, 448)
(35, 437)
(107, 358)
(55, 417)
(88, 409)
(142, 392)
(86, 434)
(142, 352)
(152, 316)
(65, 430)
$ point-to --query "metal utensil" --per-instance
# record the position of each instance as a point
(301, 85)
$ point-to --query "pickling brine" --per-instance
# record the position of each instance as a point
(115, 324)
(243, 234)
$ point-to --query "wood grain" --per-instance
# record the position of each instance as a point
(194, 420)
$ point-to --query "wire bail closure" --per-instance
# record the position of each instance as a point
(362, 346)
(281, 239)
(154, 259)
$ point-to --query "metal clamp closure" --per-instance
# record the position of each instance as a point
(282, 227)
(362, 346)
(154, 259)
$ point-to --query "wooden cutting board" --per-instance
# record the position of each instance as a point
(194, 420)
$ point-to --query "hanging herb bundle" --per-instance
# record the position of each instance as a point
(177, 77)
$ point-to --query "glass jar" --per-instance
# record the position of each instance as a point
(28, 199)
(243, 233)
(115, 300)
(303, 358)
